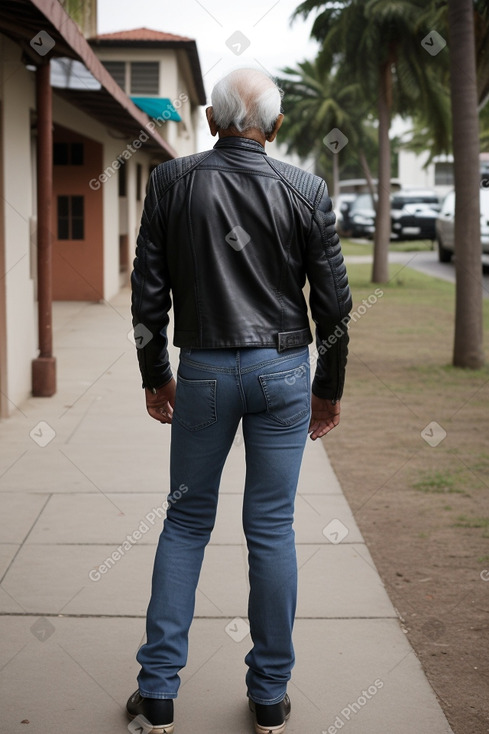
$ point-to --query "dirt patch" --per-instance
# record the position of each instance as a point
(412, 456)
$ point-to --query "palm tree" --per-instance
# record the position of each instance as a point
(315, 102)
(377, 43)
(482, 44)
(468, 349)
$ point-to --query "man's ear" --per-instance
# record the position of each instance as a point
(276, 128)
(209, 113)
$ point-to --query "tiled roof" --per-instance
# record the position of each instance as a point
(140, 34)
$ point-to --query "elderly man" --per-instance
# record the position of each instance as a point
(232, 235)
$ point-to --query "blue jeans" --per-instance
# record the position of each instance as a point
(270, 391)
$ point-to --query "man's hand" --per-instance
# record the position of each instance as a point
(324, 416)
(160, 404)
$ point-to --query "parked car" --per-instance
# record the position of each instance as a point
(362, 216)
(414, 213)
(342, 208)
(445, 225)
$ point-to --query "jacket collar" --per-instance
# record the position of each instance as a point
(242, 143)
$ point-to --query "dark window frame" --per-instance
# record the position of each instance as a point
(71, 217)
(68, 154)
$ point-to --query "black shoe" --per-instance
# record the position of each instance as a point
(157, 711)
(270, 719)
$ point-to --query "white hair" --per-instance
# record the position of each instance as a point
(245, 99)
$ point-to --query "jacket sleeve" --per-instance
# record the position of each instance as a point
(330, 300)
(151, 299)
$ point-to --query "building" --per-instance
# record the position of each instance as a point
(416, 172)
(162, 74)
(75, 155)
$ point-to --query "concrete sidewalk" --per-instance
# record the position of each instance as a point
(83, 477)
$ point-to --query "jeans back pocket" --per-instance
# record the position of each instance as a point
(287, 394)
(195, 403)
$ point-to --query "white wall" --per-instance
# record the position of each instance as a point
(17, 91)
(414, 174)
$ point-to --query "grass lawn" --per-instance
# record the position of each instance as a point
(365, 247)
(412, 455)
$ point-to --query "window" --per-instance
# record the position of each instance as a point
(71, 218)
(68, 154)
(145, 77)
(117, 69)
(122, 181)
(444, 174)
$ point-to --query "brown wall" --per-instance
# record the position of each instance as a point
(78, 265)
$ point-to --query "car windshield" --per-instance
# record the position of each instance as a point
(363, 201)
(449, 203)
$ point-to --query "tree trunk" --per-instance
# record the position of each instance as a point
(368, 176)
(336, 175)
(468, 344)
(380, 270)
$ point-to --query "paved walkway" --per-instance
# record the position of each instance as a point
(82, 480)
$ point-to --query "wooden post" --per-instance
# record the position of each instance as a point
(44, 366)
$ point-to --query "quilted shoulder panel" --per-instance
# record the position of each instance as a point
(309, 186)
(166, 174)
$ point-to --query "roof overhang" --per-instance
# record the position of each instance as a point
(24, 20)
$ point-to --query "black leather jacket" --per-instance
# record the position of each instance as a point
(232, 235)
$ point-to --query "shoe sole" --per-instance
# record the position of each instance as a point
(271, 729)
(163, 729)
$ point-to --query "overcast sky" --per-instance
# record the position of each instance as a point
(257, 33)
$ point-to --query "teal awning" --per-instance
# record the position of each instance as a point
(157, 107)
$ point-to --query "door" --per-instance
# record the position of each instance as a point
(78, 242)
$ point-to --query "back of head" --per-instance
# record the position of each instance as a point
(246, 99)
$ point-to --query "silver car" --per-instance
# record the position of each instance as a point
(445, 226)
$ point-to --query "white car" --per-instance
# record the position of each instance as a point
(445, 226)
